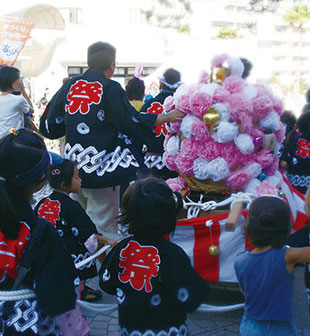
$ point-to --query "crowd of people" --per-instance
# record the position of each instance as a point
(112, 136)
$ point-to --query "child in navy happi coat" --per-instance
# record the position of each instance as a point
(30, 245)
(76, 229)
(153, 278)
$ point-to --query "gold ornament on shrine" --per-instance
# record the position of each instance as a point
(220, 73)
(211, 117)
(281, 193)
(213, 250)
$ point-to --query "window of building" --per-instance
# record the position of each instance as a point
(121, 73)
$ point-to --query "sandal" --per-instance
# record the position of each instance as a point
(90, 294)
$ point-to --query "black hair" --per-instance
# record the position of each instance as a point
(61, 173)
(289, 119)
(19, 153)
(8, 76)
(150, 208)
(100, 55)
(303, 125)
(135, 89)
(247, 67)
(269, 222)
(171, 76)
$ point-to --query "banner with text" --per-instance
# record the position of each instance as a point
(13, 36)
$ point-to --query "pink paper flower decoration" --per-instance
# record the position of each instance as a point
(231, 155)
(169, 104)
(262, 106)
(246, 159)
(170, 162)
(200, 131)
(182, 103)
(218, 60)
(262, 90)
(176, 184)
(184, 164)
(175, 126)
(264, 158)
(238, 180)
(189, 149)
(233, 84)
(199, 103)
(221, 95)
(241, 109)
(209, 150)
(266, 188)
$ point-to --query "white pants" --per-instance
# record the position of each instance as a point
(102, 206)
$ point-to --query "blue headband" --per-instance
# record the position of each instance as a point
(32, 174)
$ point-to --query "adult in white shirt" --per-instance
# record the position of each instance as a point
(13, 107)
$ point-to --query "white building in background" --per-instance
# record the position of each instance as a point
(65, 28)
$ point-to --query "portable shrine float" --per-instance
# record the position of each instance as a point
(226, 153)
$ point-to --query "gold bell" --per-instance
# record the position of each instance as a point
(211, 117)
(213, 250)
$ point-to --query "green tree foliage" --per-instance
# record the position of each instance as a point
(228, 33)
(297, 16)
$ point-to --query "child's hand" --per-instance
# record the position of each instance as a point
(111, 242)
(107, 241)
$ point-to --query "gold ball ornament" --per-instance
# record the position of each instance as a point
(281, 193)
(211, 117)
(213, 250)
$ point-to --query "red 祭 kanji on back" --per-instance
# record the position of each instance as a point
(82, 94)
(140, 264)
(157, 108)
(303, 148)
(49, 210)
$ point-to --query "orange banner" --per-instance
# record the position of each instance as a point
(13, 36)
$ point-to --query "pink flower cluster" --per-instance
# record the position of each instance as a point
(239, 110)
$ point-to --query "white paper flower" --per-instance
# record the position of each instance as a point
(223, 110)
(274, 180)
(244, 143)
(255, 169)
(217, 169)
(226, 131)
(201, 169)
(249, 91)
(235, 66)
(271, 121)
(250, 188)
(173, 145)
(186, 125)
(209, 88)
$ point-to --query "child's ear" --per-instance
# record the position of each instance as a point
(63, 186)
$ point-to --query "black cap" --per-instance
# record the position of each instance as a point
(269, 213)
